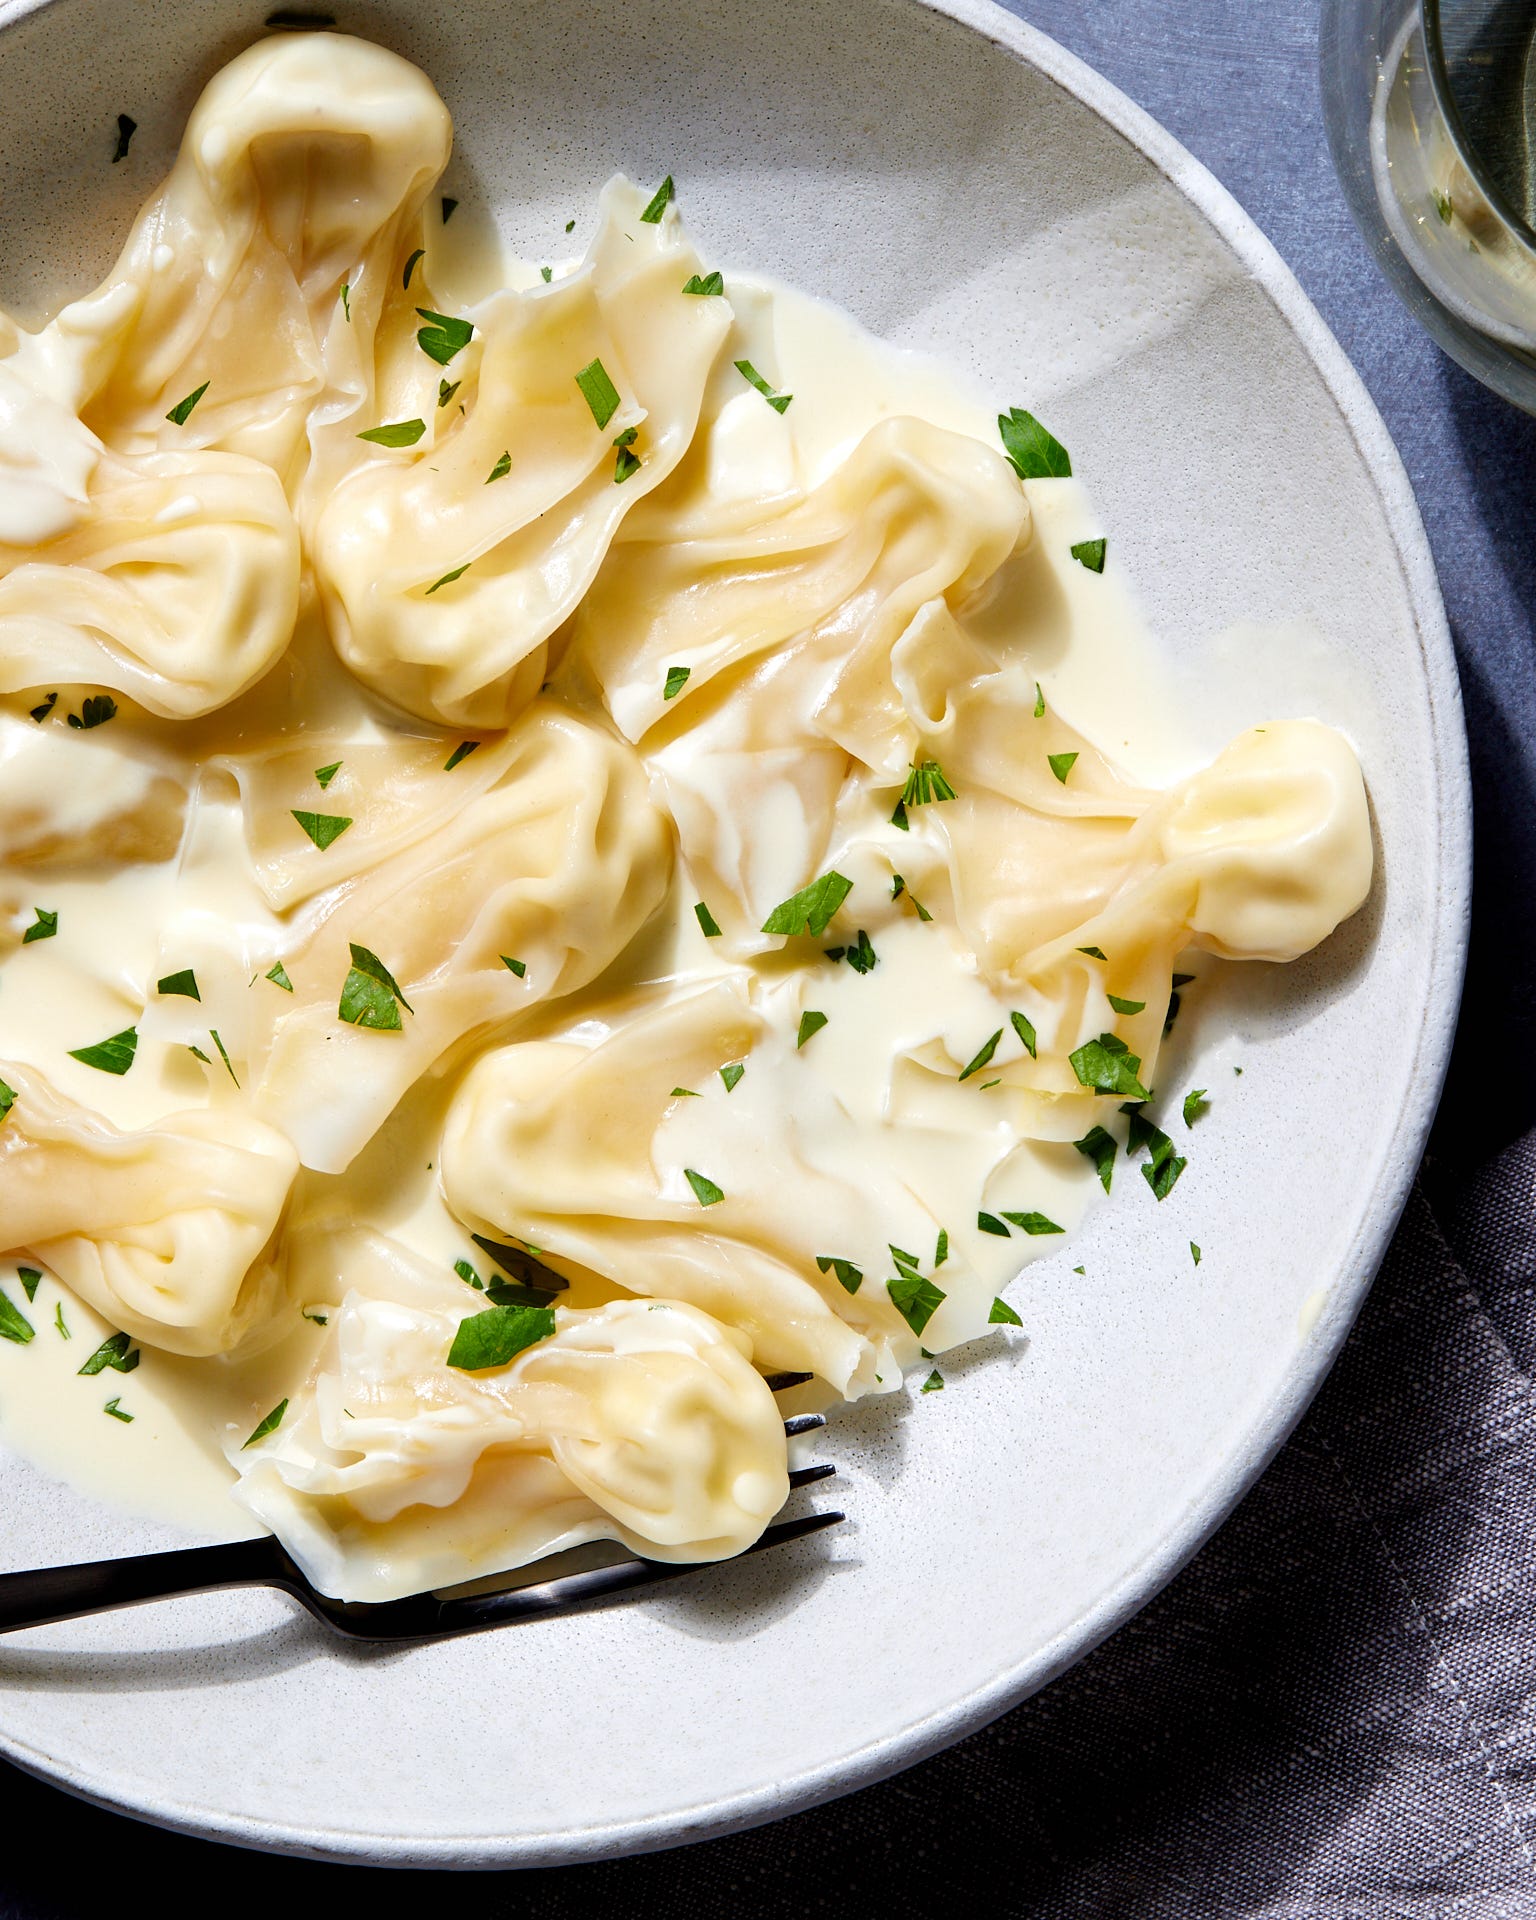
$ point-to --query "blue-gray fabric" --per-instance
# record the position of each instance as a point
(1331, 1714)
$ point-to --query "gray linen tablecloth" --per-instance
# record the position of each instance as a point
(1331, 1714)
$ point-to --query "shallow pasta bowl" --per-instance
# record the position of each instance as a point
(1014, 212)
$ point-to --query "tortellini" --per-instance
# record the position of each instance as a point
(641, 1420)
(172, 1233)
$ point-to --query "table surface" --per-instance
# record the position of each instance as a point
(1237, 82)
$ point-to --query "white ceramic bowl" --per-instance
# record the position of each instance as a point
(959, 183)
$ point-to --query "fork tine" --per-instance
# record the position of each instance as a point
(477, 1611)
(782, 1382)
(803, 1476)
(803, 1423)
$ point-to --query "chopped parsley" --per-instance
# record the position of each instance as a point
(446, 389)
(213, 1035)
(1034, 1223)
(1090, 553)
(460, 753)
(989, 1223)
(1163, 1165)
(322, 828)
(1194, 1252)
(570, 226)
(468, 1275)
(926, 784)
(43, 927)
(546, 274)
(370, 995)
(1442, 200)
(41, 713)
(1002, 1315)
(448, 579)
(1126, 1006)
(269, 1425)
(398, 433)
(934, 1383)
(1099, 1147)
(29, 1278)
(117, 1351)
(346, 301)
(521, 1265)
(497, 1335)
(411, 265)
(519, 967)
(95, 712)
(707, 921)
(7, 1099)
(109, 1056)
(1107, 1065)
(811, 909)
(181, 413)
(704, 1189)
(1094, 953)
(114, 1408)
(127, 127)
(14, 1325)
(1025, 1029)
(658, 203)
(983, 1057)
(501, 469)
(59, 1322)
(941, 1249)
(183, 984)
(443, 336)
(811, 1022)
(862, 956)
(677, 679)
(626, 462)
(686, 1093)
(778, 401)
(915, 1299)
(599, 392)
(448, 207)
(731, 1075)
(900, 887)
(711, 283)
(319, 1319)
(325, 775)
(1039, 701)
(1195, 1104)
(278, 975)
(1033, 453)
(849, 1277)
(1062, 764)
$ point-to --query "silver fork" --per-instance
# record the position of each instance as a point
(43, 1595)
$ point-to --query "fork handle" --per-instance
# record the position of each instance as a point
(42, 1595)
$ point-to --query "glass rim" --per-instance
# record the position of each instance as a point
(1440, 81)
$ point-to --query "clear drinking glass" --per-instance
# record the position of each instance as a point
(1431, 113)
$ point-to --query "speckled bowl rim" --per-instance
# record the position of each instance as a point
(1447, 933)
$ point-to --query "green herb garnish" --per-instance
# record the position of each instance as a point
(411, 265)
(677, 679)
(213, 1035)
(182, 411)
(1094, 953)
(1039, 701)
(1099, 1147)
(95, 712)
(43, 927)
(811, 909)
(29, 1278)
(849, 1277)
(900, 887)
(1033, 453)
(114, 1408)
(322, 828)
(704, 1189)
(519, 967)
(778, 401)
(59, 1322)
(1025, 1029)
(861, 956)
(7, 1099)
(926, 784)
(1090, 553)
(278, 975)
(448, 579)
(448, 207)
(711, 283)
(14, 1325)
(1195, 1252)
(934, 1383)
(501, 469)
(731, 1075)
(346, 301)
(443, 336)
(325, 775)
(398, 433)
(370, 995)
(941, 1250)
(109, 1056)
(41, 713)
(989, 1223)
(707, 921)
(269, 1425)
(915, 1300)
(1163, 1166)
(1195, 1104)
(659, 200)
(1107, 1065)
(460, 753)
(468, 1275)
(811, 1023)
(1442, 205)
(183, 983)
(127, 127)
(499, 1334)
(599, 392)
(982, 1058)
(1034, 1223)
(1062, 764)
(1002, 1315)
(446, 389)
(117, 1352)
(1126, 1006)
